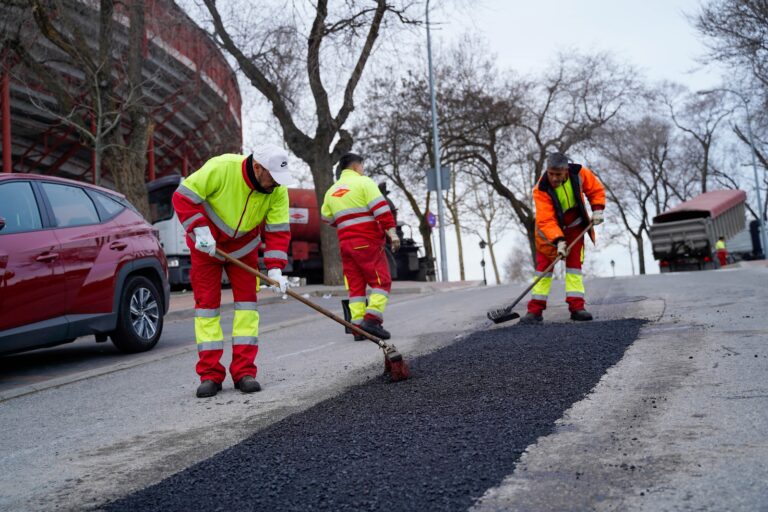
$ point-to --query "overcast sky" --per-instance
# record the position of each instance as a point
(653, 35)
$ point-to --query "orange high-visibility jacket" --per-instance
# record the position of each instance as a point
(550, 213)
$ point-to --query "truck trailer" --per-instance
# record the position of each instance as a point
(684, 237)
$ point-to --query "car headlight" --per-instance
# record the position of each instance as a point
(173, 262)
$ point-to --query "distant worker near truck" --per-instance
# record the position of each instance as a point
(561, 217)
(224, 205)
(722, 252)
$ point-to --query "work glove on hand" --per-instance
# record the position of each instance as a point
(597, 217)
(204, 240)
(393, 239)
(561, 248)
(276, 275)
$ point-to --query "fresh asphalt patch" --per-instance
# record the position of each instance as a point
(435, 442)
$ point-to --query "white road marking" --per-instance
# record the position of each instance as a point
(307, 350)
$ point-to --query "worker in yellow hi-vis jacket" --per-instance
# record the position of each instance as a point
(355, 206)
(223, 205)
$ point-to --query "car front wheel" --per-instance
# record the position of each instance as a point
(140, 316)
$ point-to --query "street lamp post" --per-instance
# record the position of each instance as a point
(436, 151)
(482, 261)
(760, 222)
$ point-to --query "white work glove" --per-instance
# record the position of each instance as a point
(276, 275)
(597, 217)
(561, 246)
(394, 240)
(204, 240)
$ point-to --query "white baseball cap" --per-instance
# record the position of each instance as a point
(275, 160)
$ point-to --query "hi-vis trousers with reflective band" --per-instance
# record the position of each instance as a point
(574, 282)
(365, 264)
(205, 277)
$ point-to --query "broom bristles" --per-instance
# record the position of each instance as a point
(398, 370)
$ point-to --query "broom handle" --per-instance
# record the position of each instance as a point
(548, 269)
(357, 330)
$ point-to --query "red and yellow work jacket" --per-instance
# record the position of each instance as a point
(355, 206)
(558, 209)
(222, 196)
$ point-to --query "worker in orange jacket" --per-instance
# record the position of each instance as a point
(224, 204)
(355, 206)
(561, 216)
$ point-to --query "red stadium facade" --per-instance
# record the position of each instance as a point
(192, 95)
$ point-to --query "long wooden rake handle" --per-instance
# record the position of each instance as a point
(548, 269)
(357, 330)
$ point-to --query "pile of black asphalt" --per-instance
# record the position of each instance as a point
(435, 442)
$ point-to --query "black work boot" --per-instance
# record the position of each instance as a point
(208, 388)
(248, 384)
(375, 329)
(531, 319)
(581, 315)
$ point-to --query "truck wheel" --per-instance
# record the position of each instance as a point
(139, 317)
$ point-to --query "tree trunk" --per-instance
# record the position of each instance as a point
(530, 229)
(457, 228)
(492, 253)
(640, 252)
(128, 169)
(322, 175)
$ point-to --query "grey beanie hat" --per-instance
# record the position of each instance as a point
(557, 161)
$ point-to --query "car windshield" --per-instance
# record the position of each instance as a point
(160, 206)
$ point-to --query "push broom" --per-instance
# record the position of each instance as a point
(394, 364)
(505, 313)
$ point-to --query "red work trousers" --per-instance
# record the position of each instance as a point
(574, 287)
(722, 257)
(205, 276)
(365, 264)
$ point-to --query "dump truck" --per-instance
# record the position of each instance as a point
(683, 237)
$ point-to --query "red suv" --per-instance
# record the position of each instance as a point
(76, 259)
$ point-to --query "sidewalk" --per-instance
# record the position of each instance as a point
(183, 303)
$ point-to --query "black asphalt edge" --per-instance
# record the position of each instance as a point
(435, 442)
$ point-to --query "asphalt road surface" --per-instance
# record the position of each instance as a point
(674, 420)
(434, 442)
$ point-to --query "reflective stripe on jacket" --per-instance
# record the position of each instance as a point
(355, 206)
(221, 195)
(552, 204)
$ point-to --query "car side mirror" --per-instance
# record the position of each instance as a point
(2, 223)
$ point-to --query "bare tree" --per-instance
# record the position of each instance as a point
(270, 57)
(639, 174)
(699, 117)
(395, 137)
(110, 91)
(493, 219)
(736, 32)
(454, 200)
(518, 267)
(561, 111)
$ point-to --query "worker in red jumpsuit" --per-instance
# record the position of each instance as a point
(355, 206)
(722, 252)
(561, 217)
(224, 205)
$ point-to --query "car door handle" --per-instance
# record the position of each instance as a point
(118, 246)
(48, 256)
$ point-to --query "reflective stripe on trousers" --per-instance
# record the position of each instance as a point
(208, 334)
